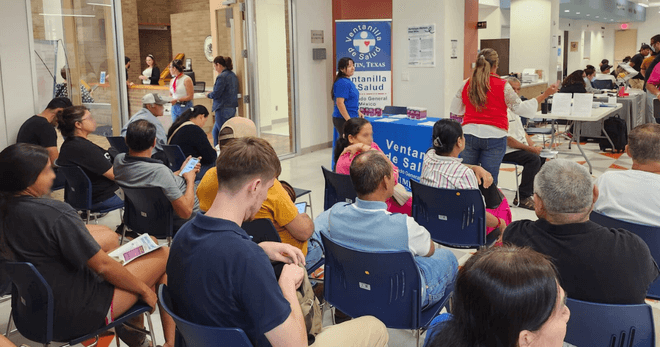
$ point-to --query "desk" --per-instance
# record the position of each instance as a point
(633, 112)
(597, 115)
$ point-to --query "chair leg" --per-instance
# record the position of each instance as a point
(517, 187)
(311, 210)
(123, 234)
(117, 338)
(9, 323)
(169, 241)
(151, 329)
(418, 332)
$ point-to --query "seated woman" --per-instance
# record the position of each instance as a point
(442, 168)
(357, 137)
(187, 133)
(505, 296)
(574, 83)
(76, 123)
(90, 289)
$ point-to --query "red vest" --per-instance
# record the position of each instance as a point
(493, 112)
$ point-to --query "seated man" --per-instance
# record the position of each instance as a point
(294, 228)
(367, 225)
(152, 107)
(40, 130)
(239, 288)
(605, 75)
(138, 170)
(521, 149)
(596, 264)
(632, 195)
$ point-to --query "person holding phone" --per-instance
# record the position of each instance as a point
(138, 170)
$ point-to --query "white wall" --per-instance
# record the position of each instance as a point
(649, 28)
(17, 78)
(314, 76)
(431, 87)
(599, 44)
(531, 17)
(493, 17)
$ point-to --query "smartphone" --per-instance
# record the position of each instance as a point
(302, 206)
(191, 165)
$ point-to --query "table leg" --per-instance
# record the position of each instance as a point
(552, 134)
(576, 126)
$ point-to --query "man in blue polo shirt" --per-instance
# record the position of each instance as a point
(218, 277)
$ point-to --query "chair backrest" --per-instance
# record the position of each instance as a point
(195, 335)
(31, 302)
(650, 235)
(147, 210)
(454, 217)
(118, 142)
(593, 324)
(78, 188)
(261, 230)
(338, 188)
(603, 84)
(383, 284)
(175, 156)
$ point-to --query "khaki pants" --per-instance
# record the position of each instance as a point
(365, 331)
(636, 84)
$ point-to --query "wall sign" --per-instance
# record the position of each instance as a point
(421, 46)
(317, 36)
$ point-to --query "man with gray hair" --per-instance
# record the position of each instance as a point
(595, 263)
(632, 195)
(367, 225)
(152, 108)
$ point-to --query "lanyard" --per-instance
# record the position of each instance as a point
(174, 82)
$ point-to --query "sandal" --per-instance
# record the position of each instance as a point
(527, 203)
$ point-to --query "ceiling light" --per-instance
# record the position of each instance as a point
(567, 10)
(597, 16)
(577, 12)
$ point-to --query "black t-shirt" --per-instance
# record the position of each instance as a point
(193, 141)
(37, 131)
(94, 160)
(596, 264)
(638, 59)
(573, 88)
(50, 235)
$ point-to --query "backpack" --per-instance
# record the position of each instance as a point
(618, 132)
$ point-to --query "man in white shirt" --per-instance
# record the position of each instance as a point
(632, 195)
(520, 149)
(605, 75)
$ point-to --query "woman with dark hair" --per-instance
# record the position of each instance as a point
(484, 99)
(75, 124)
(224, 94)
(90, 289)
(151, 74)
(574, 83)
(442, 168)
(588, 77)
(187, 133)
(181, 89)
(345, 95)
(357, 137)
(506, 297)
(62, 91)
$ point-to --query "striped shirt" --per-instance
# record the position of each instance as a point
(447, 172)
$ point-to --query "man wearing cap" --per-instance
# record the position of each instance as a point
(152, 107)
(604, 75)
(637, 81)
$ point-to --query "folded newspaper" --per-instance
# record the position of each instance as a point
(134, 249)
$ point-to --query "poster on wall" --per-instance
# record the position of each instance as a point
(369, 43)
(421, 46)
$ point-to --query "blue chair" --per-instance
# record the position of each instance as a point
(175, 156)
(593, 324)
(386, 285)
(148, 210)
(118, 142)
(78, 192)
(32, 305)
(338, 188)
(194, 335)
(603, 84)
(454, 217)
(261, 230)
(650, 235)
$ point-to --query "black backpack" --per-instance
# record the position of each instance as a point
(618, 132)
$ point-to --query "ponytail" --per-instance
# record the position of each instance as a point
(342, 64)
(480, 81)
(352, 127)
(224, 61)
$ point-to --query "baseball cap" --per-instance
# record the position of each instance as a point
(242, 127)
(153, 98)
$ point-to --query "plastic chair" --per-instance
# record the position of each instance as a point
(148, 210)
(454, 217)
(603, 84)
(118, 142)
(78, 192)
(261, 230)
(194, 335)
(32, 305)
(175, 156)
(594, 324)
(338, 188)
(650, 235)
(386, 285)
(517, 173)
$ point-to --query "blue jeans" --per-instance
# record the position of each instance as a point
(485, 152)
(221, 116)
(437, 272)
(112, 202)
(177, 110)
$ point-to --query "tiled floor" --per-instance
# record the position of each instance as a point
(305, 172)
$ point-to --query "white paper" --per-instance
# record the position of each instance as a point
(428, 124)
(582, 104)
(386, 120)
(561, 104)
(421, 46)
(399, 116)
(134, 249)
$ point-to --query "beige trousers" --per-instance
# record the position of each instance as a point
(636, 84)
(365, 331)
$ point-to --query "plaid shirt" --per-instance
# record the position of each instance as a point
(447, 172)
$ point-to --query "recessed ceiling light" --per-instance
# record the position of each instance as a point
(577, 12)
(588, 15)
(612, 20)
(597, 16)
(567, 10)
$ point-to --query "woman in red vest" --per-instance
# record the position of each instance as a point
(486, 98)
